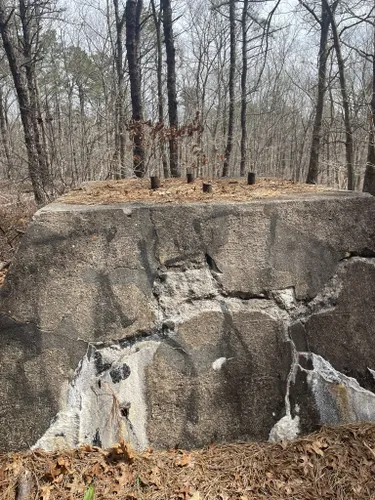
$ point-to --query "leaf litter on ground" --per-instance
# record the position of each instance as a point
(333, 463)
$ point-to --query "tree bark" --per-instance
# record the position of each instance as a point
(159, 69)
(43, 132)
(36, 175)
(243, 88)
(120, 141)
(232, 69)
(5, 137)
(369, 180)
(133, 11)
(28, 19)
(312, 175)
(345, 99)
(171, 86)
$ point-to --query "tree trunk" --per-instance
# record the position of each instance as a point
(243, 88)
(28, 18)
(5, 137)
(345, 99)
(133, 11)
(41, 125)
(119, 106)
(232, 69)
(83, 142)
(369, 180)
(171, 86)
(159, 62)
(312, 175)
(35, 173)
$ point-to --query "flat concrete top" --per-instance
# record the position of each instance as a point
(128, 207)
(133, 193)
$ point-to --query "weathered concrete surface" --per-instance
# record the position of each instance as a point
(192, 402)
(182, 324)
(334, 334)
(35, 371)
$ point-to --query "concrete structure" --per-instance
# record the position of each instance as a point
(183, 324)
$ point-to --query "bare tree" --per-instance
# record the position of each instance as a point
(244, 86)
(30, 15)
(324, 23)
(344, 93)
(120, 71)
(369, 180)
(157, 18)
(5, 135)
(133, 28)
(26, 42)
(171, 86)
(232, 70)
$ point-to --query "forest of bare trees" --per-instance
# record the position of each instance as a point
(107, 89)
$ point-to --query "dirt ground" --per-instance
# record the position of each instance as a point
(334, 463)
(178, 191)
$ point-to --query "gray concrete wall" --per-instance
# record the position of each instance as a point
(181, 324)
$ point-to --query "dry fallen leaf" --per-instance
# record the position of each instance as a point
(121, 452)
(184, 460)
(318, 447)
(124, 476)
(45, 492)
(224, 472)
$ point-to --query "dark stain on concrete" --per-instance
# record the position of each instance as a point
(107, 311)
(21, 343)
(119, 373)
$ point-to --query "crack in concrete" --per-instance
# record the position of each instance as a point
(189, 292)
(325, 301)
(367, 253)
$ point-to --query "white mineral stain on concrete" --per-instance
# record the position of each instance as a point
(286, 429)
(218, 363)
(339, 398)
(99, 410)
(285, 298)
(372, 372)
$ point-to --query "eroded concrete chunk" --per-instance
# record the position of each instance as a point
(343, 332)
(334, 342)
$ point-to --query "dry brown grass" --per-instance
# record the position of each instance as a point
(178, 191)
(334, 463)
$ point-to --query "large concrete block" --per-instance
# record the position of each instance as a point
(182, 324)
